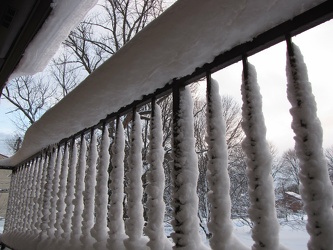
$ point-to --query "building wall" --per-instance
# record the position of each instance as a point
(5, 176)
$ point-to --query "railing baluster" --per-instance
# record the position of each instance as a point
(89, 194)
(116, 221)
(185, 173)
(54, 195)
(218, 179)
(156, 184)
(259, 164)
(61, 205)
(66, 221)
(134, 223)
(316, 188)
(78, 200)
(99, 230)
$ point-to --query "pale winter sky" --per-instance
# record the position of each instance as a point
(317, 49)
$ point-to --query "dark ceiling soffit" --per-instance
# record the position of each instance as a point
(297, 25)
(37, 17)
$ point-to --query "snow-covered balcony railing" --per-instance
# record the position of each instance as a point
(103, 187)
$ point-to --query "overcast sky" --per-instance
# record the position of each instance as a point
(317, 48)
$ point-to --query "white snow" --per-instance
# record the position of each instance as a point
(185, 177)
(78, 201)
(116, 222)
(99, 230)
(64, 17)
(89, 193)
(134, 223)
(315, 188)
(262, 213)
(220, 224)
(155, 186)
(170, 47)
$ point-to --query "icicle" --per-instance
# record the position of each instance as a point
(89, 194)
(99, 230)
(135, 221)
(61, 205)
(156, 183)
(78, 200)
(66, 222)
(316, 189)
(116, 221)
(220, 225)
(185, 176)
(265, 231)
(54, 195)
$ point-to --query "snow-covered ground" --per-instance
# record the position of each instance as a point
(295, 239)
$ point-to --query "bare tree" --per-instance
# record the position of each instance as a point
(290, 170)
(104, 33)
(31, 97)
(64, 74)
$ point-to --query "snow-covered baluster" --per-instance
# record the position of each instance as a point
(89, 194)
(185, 173)
(156, 182)
(61, 205)
(134, 223)
(42, 192)
(31, 182)
(54, 194)
(46, 198)
(36, 194)
(315, 188)
(78, 200)
(262, 211)
(21, 198)
(99, 230)
(116, 221)
(15, 199)
(26, 189)
(66, 222)
(220, 225)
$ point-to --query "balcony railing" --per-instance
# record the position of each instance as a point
(89, 191)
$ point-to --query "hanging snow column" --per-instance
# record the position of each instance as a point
(99, 230)
(116, 222)
(315, 188)
(185, 174)
(265, 231)
(220, 225)
(134, 190)
(88, 217)
(156, 182)
(78, 201)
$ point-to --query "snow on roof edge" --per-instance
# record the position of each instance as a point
(188, 35)
(64, 17)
